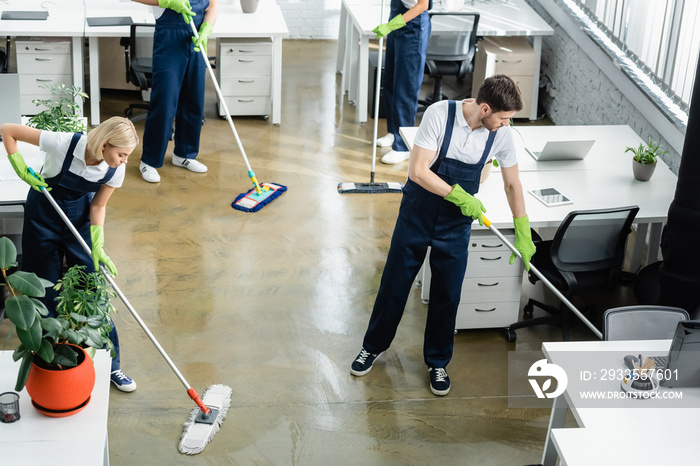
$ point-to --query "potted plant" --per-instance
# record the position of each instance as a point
(61, 112)
(644, 159)
(52, 347)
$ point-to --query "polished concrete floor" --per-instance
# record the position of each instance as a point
(274, 304)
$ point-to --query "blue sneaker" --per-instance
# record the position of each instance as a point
(122, 381)
(439, 381)
(363, 363)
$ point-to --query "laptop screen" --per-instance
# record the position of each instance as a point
(683, 366)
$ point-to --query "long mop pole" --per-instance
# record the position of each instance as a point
(549, 284)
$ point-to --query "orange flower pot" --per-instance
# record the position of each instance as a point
(60, 393)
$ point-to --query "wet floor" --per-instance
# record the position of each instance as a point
(274, 304)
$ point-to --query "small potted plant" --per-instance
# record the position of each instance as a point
(58, 372)
(61, 112)
(644, 159)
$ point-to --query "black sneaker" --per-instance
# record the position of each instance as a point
(439, 381)
(363, 363)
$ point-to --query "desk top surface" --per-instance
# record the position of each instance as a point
(498, 17)
(65, 19)
(36, 434)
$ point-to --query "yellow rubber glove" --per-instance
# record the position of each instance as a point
(204, 31)
(468, 204)
(179, 6)
(383, 30)
(97, 235)
(523, 241)
(36, 181)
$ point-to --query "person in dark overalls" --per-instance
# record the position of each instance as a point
(82, 173)
(177, 90)
(403, 70)
(453, 142)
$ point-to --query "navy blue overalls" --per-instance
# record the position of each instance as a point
(403, 71)
(177, 88)
(46, 239)
(426, 219)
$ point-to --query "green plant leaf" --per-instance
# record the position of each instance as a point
(8, 253)
(31, 338)
(65, 356)
(20, 352)
(39, 307)
(94, 337)
(46, 351)
(96, 321)
(74, 337)
(78, 317)
(23, 372)
(20, 310)
(52, 327)
(28, 284)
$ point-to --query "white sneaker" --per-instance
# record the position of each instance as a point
(190, 164)
(394, 157)
(385, 141)
(149, 173)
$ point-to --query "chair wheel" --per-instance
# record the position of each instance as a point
(128, 113)
(510, 335)
(527, 311)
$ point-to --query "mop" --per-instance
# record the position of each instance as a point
(205, 419)
(262, 193)
(372, 187)
(549, 284)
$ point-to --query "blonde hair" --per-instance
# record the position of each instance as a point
(116, 131)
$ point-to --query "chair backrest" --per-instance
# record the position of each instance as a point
(140, 63)
(452, 36)
(592, 240)
(642, 322)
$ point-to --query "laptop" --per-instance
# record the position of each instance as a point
(10, 108)
(562, 150)
(681, 367)
(25, 15)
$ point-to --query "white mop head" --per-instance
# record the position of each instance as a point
(196, 435)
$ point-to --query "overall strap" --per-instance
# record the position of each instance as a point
(451, 108)
(487, 149)
(69, 155)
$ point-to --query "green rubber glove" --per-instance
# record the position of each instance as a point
(204, 31)
(383, 30)
(97, 235)
(523, 241)
(179, 6)
(495, 163)
(468, 204)
(35, 181)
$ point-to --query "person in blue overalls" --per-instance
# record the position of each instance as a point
(453, 142)
(82, 173)
(403, 71)
(177, 91)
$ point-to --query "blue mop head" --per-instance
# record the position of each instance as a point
(252, 201)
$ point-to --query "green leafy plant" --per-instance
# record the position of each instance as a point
(61, 112)
(646, 153)
(82, 314)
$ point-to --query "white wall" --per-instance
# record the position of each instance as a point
(311, 19)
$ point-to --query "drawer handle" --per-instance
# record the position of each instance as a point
(44, 80)
(488, 284)
(484, 310)
(246, 80)
(43, 59)
(39, 49)
(246, 51)
(246, 61)
(511, 61)
(490, 258)
(246, 100)
(500, 245)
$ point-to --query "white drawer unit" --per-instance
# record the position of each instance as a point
(244, 72)
(512, 56)
(41, 62)
(491, 288)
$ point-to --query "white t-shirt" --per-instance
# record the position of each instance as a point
(56, 146)
(466, 145)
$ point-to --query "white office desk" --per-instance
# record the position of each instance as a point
(603, 179)
(266, 22)
(623, 419)
(65, 20)
(359, 17)
(39, 440)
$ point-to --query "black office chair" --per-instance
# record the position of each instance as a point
(642, 322)
(586, 253)
(138, 50)
(451, 49)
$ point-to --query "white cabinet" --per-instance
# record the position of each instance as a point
(244, 72)
(41, 62)
(512, 56)
(491, 288)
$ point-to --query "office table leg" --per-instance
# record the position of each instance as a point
(342, 31)
(556, 420)
(654, 242)
(94, 46)
(537, 47)
(639, 242)
(277, 81)
(363, 80)
(77, 49)
(351, 65)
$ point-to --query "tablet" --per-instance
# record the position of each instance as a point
(550, 197)
(25, 15)
(110, 21)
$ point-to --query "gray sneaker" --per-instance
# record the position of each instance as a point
(363, 363)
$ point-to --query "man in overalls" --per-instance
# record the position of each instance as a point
(453, 142)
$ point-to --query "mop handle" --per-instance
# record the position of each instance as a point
(377, 94)
(539, 274)
(251, 174)
(109, 278)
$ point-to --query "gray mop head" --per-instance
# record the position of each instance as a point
(198, 431)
